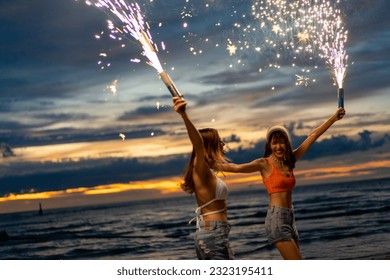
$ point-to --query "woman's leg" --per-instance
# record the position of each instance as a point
(289, 249)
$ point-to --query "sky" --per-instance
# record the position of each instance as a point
(60, 118)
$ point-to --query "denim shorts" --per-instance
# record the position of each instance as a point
(212, 242)
(280, 224)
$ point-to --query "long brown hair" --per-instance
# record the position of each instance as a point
(278, 134)
(213, 154)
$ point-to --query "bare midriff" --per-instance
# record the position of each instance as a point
(216, 205)
(283, 199)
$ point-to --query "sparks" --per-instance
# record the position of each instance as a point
(334, 53)
(113, 87)
(232, 49)
(302, 81)
(130, 22)
(276, 29)
(303, 37)
(121, 135)
(304, 31)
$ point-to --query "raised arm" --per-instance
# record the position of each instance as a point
(196, 139)
(202, 168)
(316, 133)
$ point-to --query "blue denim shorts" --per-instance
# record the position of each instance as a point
(280, 224)
(212, 241)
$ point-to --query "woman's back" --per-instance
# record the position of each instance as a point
(211, 194)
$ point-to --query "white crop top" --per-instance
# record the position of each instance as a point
(221, 190)
(221, 193)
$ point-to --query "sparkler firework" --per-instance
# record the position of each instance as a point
(332, 43)
(302, 32)
(131, 22)
(306, 29)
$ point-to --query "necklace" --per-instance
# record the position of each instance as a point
(280, 162)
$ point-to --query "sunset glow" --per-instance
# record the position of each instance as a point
(170, 186)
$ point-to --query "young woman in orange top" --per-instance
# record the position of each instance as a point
(276, 168)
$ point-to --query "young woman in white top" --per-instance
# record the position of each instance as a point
(212, 226)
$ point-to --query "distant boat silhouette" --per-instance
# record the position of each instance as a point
(40, 209)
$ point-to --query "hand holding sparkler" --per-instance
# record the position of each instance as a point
(179, 105)
(338, 115)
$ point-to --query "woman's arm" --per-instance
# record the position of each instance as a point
(196, 139)
(200, 165)
(249, 167)
(316, 133)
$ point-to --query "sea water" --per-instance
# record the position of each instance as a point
(335, 221)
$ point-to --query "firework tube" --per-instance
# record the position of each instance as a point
(170, 85)
(341, 97)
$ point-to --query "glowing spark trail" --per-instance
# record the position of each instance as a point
(303, 37)
(333, 50)
(113, 87)
(275, 33)
(302, 80)
(304, 30)
(231, 48)
(131, 22)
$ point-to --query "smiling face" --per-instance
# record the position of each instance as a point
(278, 145)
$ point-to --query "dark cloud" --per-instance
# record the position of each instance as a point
(339, 145)
(89, 173)
(101, 172)
(72, 135)
(231, 77)
(9, 126)
(142, 112)
(336, 145)
(6, 150)
(233, 138)
(362, 15)
(49, 54)
(65, 27)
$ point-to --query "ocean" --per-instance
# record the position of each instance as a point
(340, 221)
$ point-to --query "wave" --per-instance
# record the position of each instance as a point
(335, 221)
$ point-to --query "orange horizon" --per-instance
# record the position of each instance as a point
(170, 186)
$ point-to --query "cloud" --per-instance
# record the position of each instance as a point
(6, 150)
(53, 90)
(89, 172)
(142, 112)
(339, 145)
(335, 145)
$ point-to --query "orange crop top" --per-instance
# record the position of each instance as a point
(277, 182)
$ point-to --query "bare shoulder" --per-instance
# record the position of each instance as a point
(262, 162)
